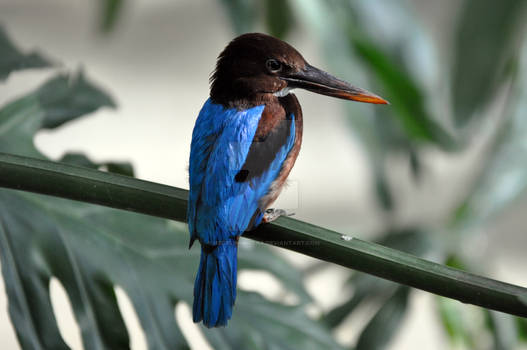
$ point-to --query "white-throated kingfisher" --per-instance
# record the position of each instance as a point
(244, 144)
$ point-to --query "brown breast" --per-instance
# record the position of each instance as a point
(289, 105)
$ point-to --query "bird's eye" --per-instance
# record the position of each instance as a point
(273, 65)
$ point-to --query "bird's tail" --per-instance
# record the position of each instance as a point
(215, 286)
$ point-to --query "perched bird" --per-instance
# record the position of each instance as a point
(244, 144)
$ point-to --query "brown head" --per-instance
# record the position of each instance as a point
(255, 66)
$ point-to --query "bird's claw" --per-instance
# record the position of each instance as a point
(272, 214)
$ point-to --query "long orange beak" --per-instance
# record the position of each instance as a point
(316, 80)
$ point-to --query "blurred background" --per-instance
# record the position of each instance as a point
(440, 173)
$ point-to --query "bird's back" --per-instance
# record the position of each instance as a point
(239, 161)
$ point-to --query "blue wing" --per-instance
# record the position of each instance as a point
(219, 206)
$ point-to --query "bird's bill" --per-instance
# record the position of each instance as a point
(316, 80)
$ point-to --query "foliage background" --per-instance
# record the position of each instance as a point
(404, 182)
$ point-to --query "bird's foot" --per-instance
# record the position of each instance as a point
(272, 214)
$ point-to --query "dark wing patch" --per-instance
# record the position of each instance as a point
(263, 151)
(242, 175)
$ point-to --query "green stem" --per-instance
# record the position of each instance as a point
(145, 197)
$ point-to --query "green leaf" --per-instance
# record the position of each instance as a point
(259, 324)
(245, 15)
(523, 298)
(405, 97)
(12, 59)
(389, 63)
(24, 113)
(111, 10)
(361, 48)
(68, 97)
(123, 192)
(521, 325)
(386, 321)
(452, 319)
(92, 249)
(242, 13)
(369, 289)
(366, 289)
(123, 168)
(279, 17)
(382, 190)
(486, 40)
(503, 330)
(503, 179)
(257, 258)
(415, 164)
(458, 320)
(411, 240)
(59, 100)
(339, 313)
(78, 159)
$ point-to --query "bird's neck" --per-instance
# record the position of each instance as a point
(246, 92)
(278, 110)
(244, 102)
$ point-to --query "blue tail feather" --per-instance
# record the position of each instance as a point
(215, 286)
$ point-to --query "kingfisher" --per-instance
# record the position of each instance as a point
(244, 144)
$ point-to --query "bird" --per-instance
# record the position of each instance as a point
(245, 142)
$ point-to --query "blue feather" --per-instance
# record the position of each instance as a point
(220, 208)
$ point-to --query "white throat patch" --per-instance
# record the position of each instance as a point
(284, 92)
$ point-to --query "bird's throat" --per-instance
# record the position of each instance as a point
(284, 92)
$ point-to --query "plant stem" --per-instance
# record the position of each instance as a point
(154, 199)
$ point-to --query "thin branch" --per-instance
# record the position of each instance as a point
(145, 197)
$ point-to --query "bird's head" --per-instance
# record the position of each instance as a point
(255, 66)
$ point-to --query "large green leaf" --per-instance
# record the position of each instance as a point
(458, 321)
(388, 298)
(251, 328)
(361, 38)
(366, 289)
(406, 98)
(11, 59)
(117, 191)
(386, 322)
(453, 315)
(486, 40)
(503, 179)
(380, 54)
(110, 12)
(123, 168)
(453, 319)
(242, 13)
(521, 325)
(504, 331)
(279, 17)
(245, 15)
(91, 250)
(68, 97)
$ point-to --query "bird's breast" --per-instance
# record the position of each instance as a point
(291, 112)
